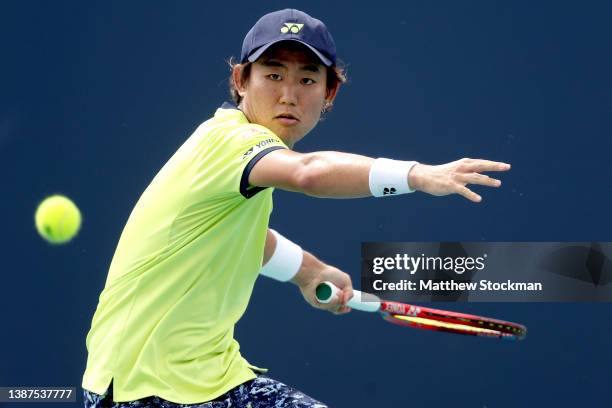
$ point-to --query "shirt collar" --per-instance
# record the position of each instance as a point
(229, 105)
(230, 110)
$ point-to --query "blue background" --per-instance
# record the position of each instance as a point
(96, 96)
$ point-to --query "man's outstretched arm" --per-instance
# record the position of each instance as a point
(345, 175)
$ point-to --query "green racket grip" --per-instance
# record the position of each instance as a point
(365, 302)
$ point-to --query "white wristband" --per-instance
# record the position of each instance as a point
(390, 177)
(285, 261)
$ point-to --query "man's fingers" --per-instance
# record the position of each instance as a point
(340, 307)
(343, 310)
(469, 194)
(346, 286)
(335, 304)
(335, 307)
(348, 294)
(480, 165)
(482, 179)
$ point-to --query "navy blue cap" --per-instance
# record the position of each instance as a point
(289, 24)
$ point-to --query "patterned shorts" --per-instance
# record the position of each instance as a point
(262, 392)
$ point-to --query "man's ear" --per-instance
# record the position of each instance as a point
(237, 78)
(331, 93)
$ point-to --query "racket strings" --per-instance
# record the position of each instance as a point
(490, 325)
(467, 327)
(441, 324)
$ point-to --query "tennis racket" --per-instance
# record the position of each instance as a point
(426, 318)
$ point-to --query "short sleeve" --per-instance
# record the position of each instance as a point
(252, 142)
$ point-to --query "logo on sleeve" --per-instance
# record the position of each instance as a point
(389, 191)
(258, 147)
(247, 153)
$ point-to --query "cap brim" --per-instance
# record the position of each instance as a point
(255, 55)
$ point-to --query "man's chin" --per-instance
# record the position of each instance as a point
(288, 136)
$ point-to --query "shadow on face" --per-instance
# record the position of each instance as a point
(294, 49)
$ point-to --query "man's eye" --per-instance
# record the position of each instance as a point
(274, 77)
(305, 81)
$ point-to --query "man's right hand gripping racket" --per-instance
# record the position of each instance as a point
(426, 318)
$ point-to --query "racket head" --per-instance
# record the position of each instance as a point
(451, 322)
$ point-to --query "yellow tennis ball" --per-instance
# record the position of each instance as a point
(58, 219)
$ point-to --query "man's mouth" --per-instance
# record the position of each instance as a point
(287, 119)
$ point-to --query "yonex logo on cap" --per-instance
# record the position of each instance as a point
(294, 28)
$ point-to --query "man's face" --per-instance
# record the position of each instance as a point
(285, 92)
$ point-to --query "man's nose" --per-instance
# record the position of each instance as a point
(288, 95)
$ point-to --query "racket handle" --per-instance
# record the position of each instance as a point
(365, 302)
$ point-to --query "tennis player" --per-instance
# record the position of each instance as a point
(198, 238)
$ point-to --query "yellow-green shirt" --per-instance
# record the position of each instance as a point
(184, 270)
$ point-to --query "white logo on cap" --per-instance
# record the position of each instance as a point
(294, 28)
